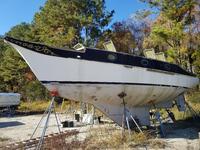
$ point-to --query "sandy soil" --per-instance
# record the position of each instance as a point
(20, 128)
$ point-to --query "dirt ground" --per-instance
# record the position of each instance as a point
(19, 128)
(179, 136)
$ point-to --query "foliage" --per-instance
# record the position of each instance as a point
(21, 31)
(128, 35)
(139, 25)
(33, 90)
(194, 98)
(12, 66)
(196, 56)
(175, 30)
(15, 74)
(121, 37)
(3, 48)
(167, 35)
(63, 23)
(177, 10)
(187, 114)
(12, 70)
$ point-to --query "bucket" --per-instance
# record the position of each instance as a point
(68, 124)
(77, 117)
(65, 124)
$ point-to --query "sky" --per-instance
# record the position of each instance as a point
(13, 12)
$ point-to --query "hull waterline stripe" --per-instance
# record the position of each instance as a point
(109, 83)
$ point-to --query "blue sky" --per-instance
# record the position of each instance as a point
(13, 12)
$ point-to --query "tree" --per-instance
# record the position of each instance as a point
(128, 35)
(140, 26)
(21, 31)
(12, 70)
(64, 23)
(3, 48)
(121, 37)
(171, 31)
(15, 75)
(168, 36)
(196, 55)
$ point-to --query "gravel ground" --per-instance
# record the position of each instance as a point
(20, 128)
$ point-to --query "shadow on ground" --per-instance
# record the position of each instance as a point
(19, 113)
(188, 129)
(10, 124)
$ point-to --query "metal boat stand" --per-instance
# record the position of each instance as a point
(126, 115)
(134, 120)
(158, 118)
(47, 113)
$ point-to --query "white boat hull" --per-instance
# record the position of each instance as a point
(100, 83)
(105, 97)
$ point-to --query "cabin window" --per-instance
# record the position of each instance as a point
(144, 62)
(112, 57)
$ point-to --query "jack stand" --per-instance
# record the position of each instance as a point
(122, 95)
(127, 122)
(134, 121)
(93, 114)
(47, 112)
(158, 118)
(125, 116)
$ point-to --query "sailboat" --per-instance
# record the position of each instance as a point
(108, 80)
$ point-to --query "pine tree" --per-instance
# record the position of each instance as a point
(64, 23)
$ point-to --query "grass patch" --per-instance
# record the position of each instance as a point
(41, 105)
(193, 97)
(33, 106)
(187, 114)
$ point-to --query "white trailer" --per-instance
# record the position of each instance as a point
(9, 100)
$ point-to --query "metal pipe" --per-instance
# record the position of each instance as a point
(45, 127)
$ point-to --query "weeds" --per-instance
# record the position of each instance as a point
(3, 139)
(117, 140)
(33, 106)
(187, 114)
